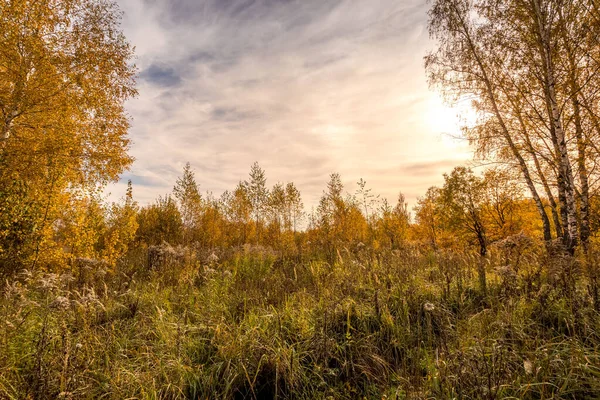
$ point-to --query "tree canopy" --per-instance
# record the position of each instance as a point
(65, 72)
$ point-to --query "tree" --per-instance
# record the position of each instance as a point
(160, 222)
(367, 201)
(258, 195)
(82, 226)
(212, 222)
(502, 195)
(428, 217)
(330, 212)
(278, 206)
(190, 202)
(366, 198)
(331, 205)
(284, 211)
(121, 229)
(467, 63)
(531, 67)
(65, 73)
(19, 216)
(294, 205)
(238, 209)
(393, 222)
(339, 220)
(463, 198)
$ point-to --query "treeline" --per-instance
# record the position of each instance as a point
(468, 211)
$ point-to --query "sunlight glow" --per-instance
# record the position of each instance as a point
(449, 121)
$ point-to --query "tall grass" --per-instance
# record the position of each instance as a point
(402, 324)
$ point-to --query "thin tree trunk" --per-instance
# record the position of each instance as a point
(584, 228)
(482, 258)
(565, 170)
(583, 178)
(562, 200)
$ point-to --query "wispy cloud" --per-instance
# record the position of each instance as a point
(161, 76)
(304, 87)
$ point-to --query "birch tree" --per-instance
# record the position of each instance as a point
(258, 195)
(530, 66)
(468, 62)
(65, 73)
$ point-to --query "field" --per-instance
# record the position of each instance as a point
(248, 324)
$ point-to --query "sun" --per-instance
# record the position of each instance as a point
(449, 120)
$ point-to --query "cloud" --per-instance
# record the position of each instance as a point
(232, 114)
(306, 88)
(427, 169)
(161, 76)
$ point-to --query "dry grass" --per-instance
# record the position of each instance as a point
(402, 324)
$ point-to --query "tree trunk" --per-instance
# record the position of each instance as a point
(584, 228)
(564, 164)
(482, 258)
(583, 179)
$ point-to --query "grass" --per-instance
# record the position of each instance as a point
(395, 325)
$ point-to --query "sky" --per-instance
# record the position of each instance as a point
(305, 87)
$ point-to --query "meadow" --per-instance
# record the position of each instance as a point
(246, 323)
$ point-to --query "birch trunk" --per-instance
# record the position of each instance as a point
(564, 164)
(584, 215)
